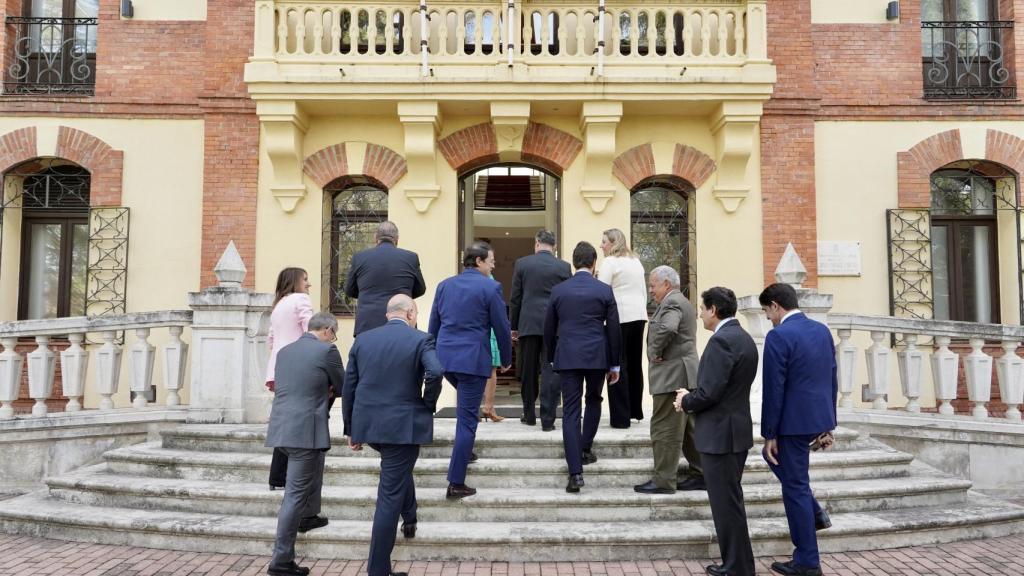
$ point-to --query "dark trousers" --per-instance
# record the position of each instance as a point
(801, 507)
(396, 496)
(301, 499)
(575, 439)
(278, 468)
(535, 365)
(469, 390)
(723, 473)
(625, 399)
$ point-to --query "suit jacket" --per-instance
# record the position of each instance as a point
(384, 400)
(722, 398)
(671, 334)
(800, 381)
(532, 280)
(466, 308)
(306, 370)
(375, 276)
(582, 325)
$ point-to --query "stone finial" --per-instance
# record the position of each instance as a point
(790, 269)
(230, 269)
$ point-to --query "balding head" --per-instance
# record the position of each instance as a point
(402, 307)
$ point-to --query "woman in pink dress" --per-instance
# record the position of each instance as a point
(288, 321)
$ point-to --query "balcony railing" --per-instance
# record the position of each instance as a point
(502, 32)
(968, 60)
(51, 56)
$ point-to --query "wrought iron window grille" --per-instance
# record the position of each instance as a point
(968, 60)
(352, 211)
(663, 232)
(55, 56)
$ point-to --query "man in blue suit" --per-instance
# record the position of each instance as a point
(799, 406)
(466, 308)
(582, 327)
(385, 405)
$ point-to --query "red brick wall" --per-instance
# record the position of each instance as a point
(16, 147)
(384, 165)
(550, 147)
(470, 147)
(634, 165)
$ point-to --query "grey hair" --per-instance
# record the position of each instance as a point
(322, 320)
(399, 303)
(666, 273)
(387, 230)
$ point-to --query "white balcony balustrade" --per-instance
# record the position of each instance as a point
(42, 364)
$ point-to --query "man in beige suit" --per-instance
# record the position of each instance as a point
(672, 353)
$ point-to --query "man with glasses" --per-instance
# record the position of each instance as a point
(308, 372)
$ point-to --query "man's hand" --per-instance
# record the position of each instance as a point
(658, 360)
(771, 451)
(355, 447)
(515, 335)
(827, 440)
(505, 368)
(680, 394)
(613, 377)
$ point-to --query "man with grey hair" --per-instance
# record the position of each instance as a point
(308, 371)
(378, 273)
(672, 353)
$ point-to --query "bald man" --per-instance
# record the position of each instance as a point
(385, 405)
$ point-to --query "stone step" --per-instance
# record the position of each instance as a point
(39, 514)
(507, 439)
(151, 460)
(95, 486)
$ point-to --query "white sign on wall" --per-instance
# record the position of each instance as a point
(838, 258)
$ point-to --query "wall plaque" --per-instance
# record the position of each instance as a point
(838, 258)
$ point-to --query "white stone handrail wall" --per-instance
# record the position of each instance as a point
(551, 31)
(914, 360)
(107, 358)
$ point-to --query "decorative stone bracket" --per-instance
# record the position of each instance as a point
(421, 121)
(735, 128)
(510, 121)
(284, 129)
(598, 122)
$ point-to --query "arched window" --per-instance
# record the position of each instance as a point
(355, 206)
(966, 198)
(661, 227)
(53, 196)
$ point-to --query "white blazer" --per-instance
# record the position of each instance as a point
(626, 277)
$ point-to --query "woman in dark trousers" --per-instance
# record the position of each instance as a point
(289, 319)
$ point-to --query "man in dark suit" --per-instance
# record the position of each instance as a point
(379, 273)
(672, 353)
(306, 370)
(724, 431)
(532, 280)
(386, 406)
(466, 308)
(583, 336)
(800, 387)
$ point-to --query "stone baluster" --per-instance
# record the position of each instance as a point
(877, 356)
(141, 361)
(10, 377)
(42, 365)
(175, 360)
(74, 363)
(945, 368)
(978, 369)
(911, 361)
(108, 369)
(1010, 370)
(846, 366)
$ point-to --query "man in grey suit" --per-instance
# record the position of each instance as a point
(308, 370)
(385, 405)
(672, 353)
(532, 280)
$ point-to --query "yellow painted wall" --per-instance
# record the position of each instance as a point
(169, 9)
(163, 188)
(848, 11)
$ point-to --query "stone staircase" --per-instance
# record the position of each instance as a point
(203, 488)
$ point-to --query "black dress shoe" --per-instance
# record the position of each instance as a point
(715, 570)
(589, 457)
(547, 427)
(292, 569)
(792, 569)
(312, 523)
(272, 487)
(528, 421)
(457, 491)
(409, 529)
(473, 457)
(575, 483)
(822, 521)
(650, 487)
(692, 484)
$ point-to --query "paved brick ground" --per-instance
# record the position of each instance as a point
(23, 556)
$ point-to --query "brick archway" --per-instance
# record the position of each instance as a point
(1008, 150)
(915, 166)
(544, 146)
(105, 164)
(637, 164)
(16, 147)
(379, 163)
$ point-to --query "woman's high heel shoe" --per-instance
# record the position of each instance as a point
(492, 415)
